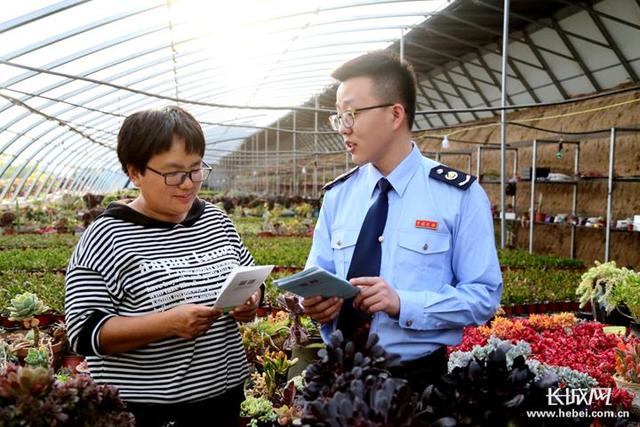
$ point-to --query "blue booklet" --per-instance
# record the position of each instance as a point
(317, 281)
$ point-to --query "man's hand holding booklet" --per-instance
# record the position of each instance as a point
(317, 281)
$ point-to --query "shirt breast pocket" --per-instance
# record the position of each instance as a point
(343, 243)
(423, 257)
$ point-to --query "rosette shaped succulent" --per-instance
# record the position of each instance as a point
(25, 306)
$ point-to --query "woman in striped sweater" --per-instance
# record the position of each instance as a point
(143, 279)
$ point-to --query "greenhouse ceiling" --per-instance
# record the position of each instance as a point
(70, 71)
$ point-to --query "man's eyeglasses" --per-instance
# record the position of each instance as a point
(348, 118)
(179, 177)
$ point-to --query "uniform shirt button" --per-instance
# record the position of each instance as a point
(409, 323)
(339, 243)
(381, 239)
(425, 247)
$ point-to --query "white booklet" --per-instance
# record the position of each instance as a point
(241, 283)
(317, 281)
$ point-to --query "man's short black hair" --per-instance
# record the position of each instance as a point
(147, 133)
(393, 79)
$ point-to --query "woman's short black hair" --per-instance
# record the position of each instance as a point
(147, 133)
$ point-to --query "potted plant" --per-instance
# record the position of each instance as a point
(496, 385)
(7, 355)
(23, 308)
(257, 411)
(539, 215)
(304, 339)
(32, 396)
(596, 286)
(627, 359)
(262, 334)
(625, 296)
(269, 397)
(275, 366)
(6, 221)
(351, 385)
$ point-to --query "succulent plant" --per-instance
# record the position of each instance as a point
(298, 335)
(354, 388)
(33, 397)
(566, 376)
(489, 392)
(18, 382)
(37, 357)
(275, 365)
(259, 409)
(25, 306)
(7, 354)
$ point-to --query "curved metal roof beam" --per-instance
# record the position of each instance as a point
(87, 175)
(77, 173)
(319, 10)
(45, 153)
(36, 139)
(20, 168)
(541, 23)
(101, 184)
(157, 96)
(168, 81)
(87, 52)
(52, 144)
(41, 172)
(79, 30)
(98, 69)
(53, 167)
(62, 175)
(26, 115)
(39, 14)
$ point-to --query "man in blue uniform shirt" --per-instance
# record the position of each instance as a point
(438, 267)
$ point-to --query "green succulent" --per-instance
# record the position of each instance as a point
(19, 382)
(26, 305)
(598, 283)
(37, 357)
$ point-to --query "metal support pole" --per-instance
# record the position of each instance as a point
(315, 151)
(78, 185)
(254, 161)
(574, 198)
(503, 124)
(478, 157)
(294, 187)
(607, 233)
(278, 157)
(515, 173)
(266, 160)
(532, 210)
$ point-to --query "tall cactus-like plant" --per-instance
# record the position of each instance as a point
(23, 308)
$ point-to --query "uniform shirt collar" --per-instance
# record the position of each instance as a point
(400, 176)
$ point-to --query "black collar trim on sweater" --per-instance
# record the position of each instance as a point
(123, 211)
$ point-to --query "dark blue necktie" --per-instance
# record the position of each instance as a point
(366, 259)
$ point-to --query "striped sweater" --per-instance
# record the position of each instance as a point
(127, 264)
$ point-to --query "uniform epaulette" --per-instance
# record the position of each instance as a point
(339, 179)
(458, 179)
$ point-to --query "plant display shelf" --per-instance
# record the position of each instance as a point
(575, 141)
